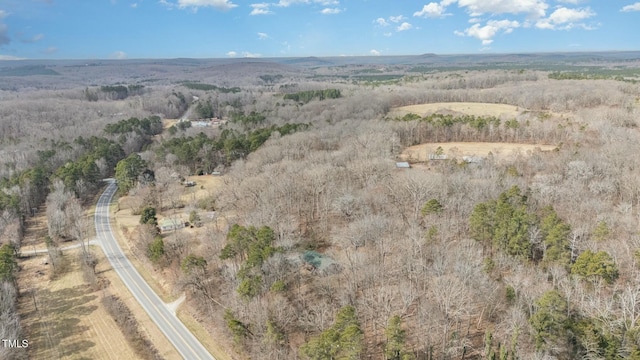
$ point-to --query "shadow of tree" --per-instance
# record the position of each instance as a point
(58, 321)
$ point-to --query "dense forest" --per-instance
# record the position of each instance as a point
(328, 250)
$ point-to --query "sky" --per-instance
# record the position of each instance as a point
(141, 29)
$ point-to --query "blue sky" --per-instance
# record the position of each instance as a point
(103, 29)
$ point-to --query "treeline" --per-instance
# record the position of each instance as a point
(446, 127)
(113, 92)
(248, 120)
(448, 120)
(83, 175)
(11, 328)
(80, 165)
(270, 79)
(618, 75)
(147, 126)
(206, 109)
(306, 96)
(202, 153)
(209, 87)
(119, 92)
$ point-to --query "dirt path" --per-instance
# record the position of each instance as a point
(36, 229)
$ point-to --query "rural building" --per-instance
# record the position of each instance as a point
(403, 165)
(473, 159)
(437, 156)
(168, 224)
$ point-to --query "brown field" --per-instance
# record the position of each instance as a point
(206, 186)
(467, 108)
(420, 153)
(70, 322)
(167, 123)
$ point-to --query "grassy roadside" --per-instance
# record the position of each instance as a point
(116, 224)
(63, 317)
(202, 334)
(123, 219)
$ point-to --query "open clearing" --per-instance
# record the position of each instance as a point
(167, 123)
(70, 321)
(420, 153)
(466, 108)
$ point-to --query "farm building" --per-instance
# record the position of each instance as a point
(437, 157)
(403, 165)
(167, 225)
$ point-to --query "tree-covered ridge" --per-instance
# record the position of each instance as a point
(306, 96)
(630, 75)
(209, 87)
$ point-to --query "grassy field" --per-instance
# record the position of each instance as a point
(467, 108)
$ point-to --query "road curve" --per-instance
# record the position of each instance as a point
(181, 338)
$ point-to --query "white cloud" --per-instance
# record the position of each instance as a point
(490, 30)
(260, 9)
(287, 3)
(382, 22)
(250, 55)
(232, 54)
(374, 52)
(396, 19)
(404, 26)
(3, 14)
(330, 11)
(533, 8)
(32, 39)
(632, 7)
(134, 5)
(50, 50)
(216, 4)
(119, 55)
(564, 18)
(262, 36)
(431, 10)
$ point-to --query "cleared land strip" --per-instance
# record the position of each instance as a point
(185, 343)
(421, 152)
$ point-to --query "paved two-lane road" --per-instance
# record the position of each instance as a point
(186, 344)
